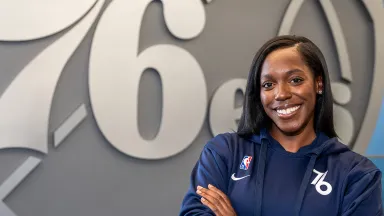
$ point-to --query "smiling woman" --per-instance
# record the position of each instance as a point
(285, 158)
(288, 95)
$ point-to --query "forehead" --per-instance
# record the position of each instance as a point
(282, 61)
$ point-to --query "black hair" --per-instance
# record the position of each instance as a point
(254, 118)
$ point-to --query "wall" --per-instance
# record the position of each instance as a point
(84, 132)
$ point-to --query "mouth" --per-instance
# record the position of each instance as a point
(287, 112)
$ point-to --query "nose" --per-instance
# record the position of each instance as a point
(282, 92)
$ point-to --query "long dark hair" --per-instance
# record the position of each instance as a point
(254, 117)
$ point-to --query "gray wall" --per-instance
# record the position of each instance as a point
(87, 176)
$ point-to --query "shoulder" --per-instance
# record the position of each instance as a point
(227, 143)
(354, 164)
(360, 166)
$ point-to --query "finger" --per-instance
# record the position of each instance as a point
(213, 198)
(210, 195)
(223, 200)
(221, 194)
(225, 203)
(210, 205)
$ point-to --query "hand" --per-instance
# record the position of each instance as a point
(216, 200)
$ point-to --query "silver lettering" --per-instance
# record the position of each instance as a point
(222, 112)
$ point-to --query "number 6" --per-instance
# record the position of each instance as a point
(116, 69)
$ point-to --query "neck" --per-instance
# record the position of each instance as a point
(293, 142)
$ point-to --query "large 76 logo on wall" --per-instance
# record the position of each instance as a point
(115, 69)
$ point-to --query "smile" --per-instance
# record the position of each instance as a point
(288, 111)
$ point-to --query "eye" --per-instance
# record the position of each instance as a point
(267, 85)
(297, 80)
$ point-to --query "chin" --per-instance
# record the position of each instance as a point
(291, 128)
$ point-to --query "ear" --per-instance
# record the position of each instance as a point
(319, 85)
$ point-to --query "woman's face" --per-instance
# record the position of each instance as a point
(288, 90)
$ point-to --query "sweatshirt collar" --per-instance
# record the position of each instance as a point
(307, 149)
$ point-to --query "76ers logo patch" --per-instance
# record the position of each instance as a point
(245, 163)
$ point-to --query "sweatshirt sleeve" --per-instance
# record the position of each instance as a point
(211, 168)
(363, 194)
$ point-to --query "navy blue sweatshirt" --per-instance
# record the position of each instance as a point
(261, 178)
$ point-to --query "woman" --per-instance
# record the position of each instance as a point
(285, 159)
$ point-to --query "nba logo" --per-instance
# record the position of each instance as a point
(245, 163)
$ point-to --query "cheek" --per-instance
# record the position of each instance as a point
(264, 99)
(313, 101)
(310, 95)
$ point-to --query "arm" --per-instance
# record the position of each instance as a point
(211, 168)
(363, 195)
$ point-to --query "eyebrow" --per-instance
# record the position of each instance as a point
(290, 72)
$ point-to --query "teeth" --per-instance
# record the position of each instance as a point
(288, 110)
